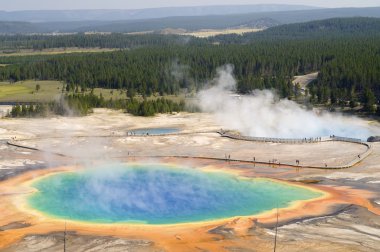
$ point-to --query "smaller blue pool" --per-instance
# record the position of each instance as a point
(153, 131)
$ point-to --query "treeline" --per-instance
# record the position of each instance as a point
(113, 40)
(82, 104)
(66, 105)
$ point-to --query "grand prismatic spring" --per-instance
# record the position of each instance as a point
(112, 190)
(158, 194)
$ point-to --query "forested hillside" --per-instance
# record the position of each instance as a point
(330, 28)
(346, 52)
(335, 28)
(114, 40)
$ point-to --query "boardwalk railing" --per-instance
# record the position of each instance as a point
(356, 160)
(228, 134)
(271, 139)
(346, 139)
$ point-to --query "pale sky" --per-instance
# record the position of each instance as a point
(140, 4)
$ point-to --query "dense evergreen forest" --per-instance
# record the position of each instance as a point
(82, 104)
(114, 40)
(346, 52)
(335, 28)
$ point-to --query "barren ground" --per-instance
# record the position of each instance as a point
(352, 223)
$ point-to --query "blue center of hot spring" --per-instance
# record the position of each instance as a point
(158, 194)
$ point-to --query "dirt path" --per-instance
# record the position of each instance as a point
(304, 80)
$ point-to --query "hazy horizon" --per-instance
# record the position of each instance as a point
(25, 5)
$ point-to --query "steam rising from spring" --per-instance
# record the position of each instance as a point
(263, 114)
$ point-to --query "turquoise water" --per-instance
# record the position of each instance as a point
(158, 194)
(155, 131)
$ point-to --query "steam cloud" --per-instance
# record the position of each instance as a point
(263, 114)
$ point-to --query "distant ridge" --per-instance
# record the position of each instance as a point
(189, 23)
(333, 28)
(113, 15)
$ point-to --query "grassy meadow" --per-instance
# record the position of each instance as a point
(25, 91)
